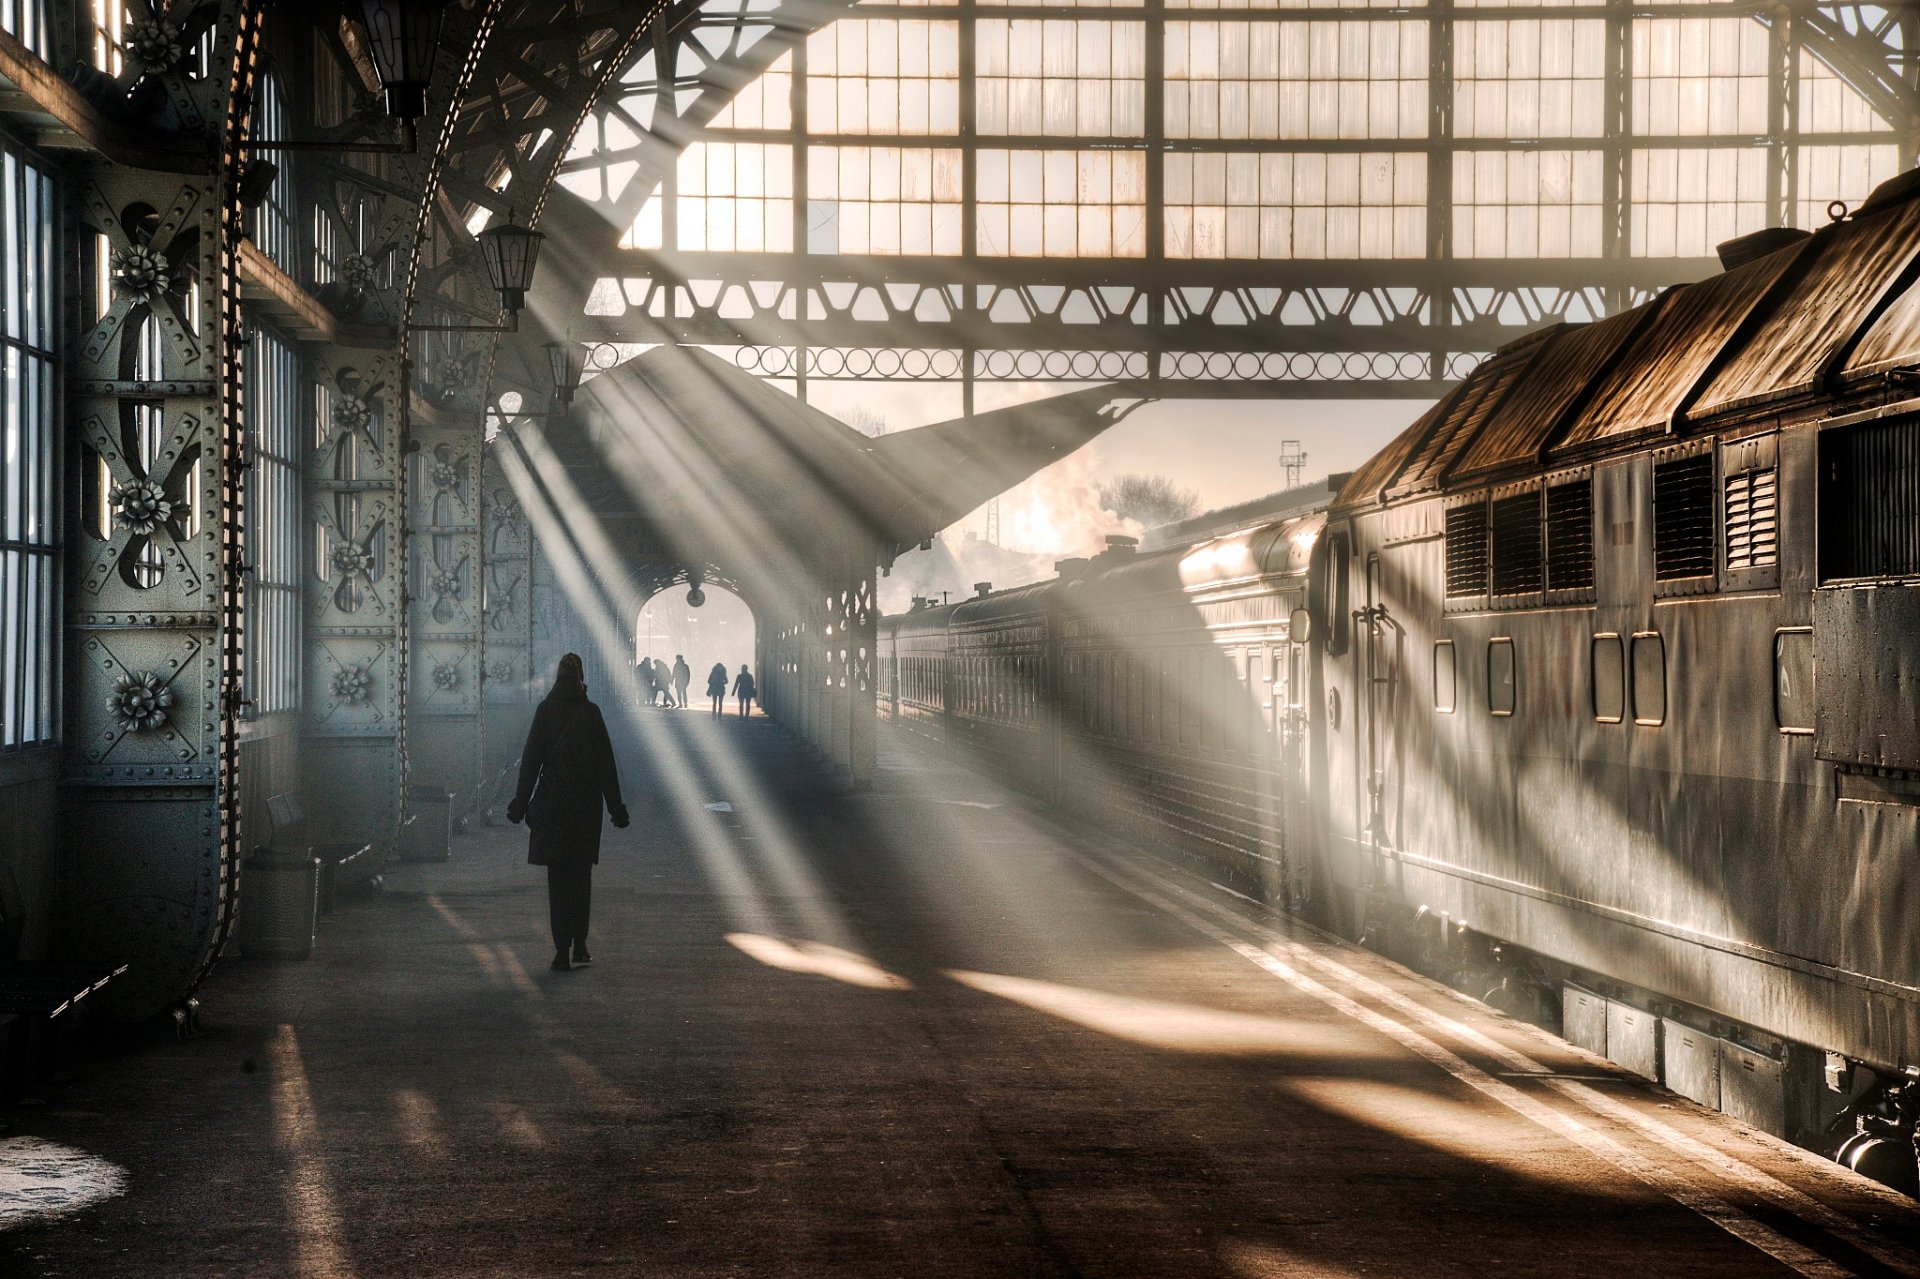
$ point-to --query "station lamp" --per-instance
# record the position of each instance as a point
(566, 371)
(509, 252)
(402, 38)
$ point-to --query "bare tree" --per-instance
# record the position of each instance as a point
(867, 421)
(1151, 500)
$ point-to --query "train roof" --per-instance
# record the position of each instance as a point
(1839, 305)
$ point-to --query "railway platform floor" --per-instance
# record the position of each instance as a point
(928, 1029)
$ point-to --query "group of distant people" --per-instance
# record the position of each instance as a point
(661, 685)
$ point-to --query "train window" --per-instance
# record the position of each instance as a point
(1649, 678)
(1683, 534)
(1753, 519)
(1570, 536)
(1296, 684)
(1501, 677)
(1608, 662)
(1517, 562)
(1870, 500)
(1334, 608)
(1445, 684)
(1793, 680)
(1466, 538)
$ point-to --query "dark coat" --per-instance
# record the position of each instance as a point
(717, 682)
(570, 757)
(743, 686)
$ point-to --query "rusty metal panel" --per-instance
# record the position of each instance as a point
(1466, 414)
(1673, 350)
(1690, 1061)
(1633, 1039)
(1583, 1019)
(1866, 650)
(1846, 268)
(1753, 1088)
(1381, 472)
(1559, 374)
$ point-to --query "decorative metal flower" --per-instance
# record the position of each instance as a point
(139, 702)
(351, 413)
(141, 505)
(351, 558)
(446, 581)
(444, 475)
(142, 273)
(155, 43)
(446, 676)
(352, 685)
(501, 671)
(451, 374)
(507, 515)
(359, 273)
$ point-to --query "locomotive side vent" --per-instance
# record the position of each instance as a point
(1753, 519)
(1683, 518)
(1467, 550)
(1517, 561)
(1570, 536)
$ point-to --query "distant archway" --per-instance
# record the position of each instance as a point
(722, 629)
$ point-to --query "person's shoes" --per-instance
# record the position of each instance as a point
(581, 955)
(560, 964)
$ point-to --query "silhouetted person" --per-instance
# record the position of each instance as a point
(566, 772)
(717, 687)
(743, 689)
(663, 680)
(682, 676)
(649, 692)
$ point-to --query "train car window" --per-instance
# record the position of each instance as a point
(1570, 536)
(1607, 663)
(1501, 677)
(1296, 683)
(1752, 511)
(1139, 701)
(1466, 538)
(1793, 680)
(1336, 604)
(1649, 678)
(1445, 682)
(1518, 564)
(1683, 532)
(1870, 500)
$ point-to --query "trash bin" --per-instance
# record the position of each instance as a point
(429, 836)
(279, 903)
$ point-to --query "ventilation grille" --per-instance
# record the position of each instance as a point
(1517, 564)
(1467, 550)
(1570, 536)
(1683, 518)
(1870, 501)
(1753, 520)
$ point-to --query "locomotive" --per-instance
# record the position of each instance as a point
(1597, 691)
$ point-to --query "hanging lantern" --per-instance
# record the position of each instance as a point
(402, 37)
(566, 371)
(510, 252)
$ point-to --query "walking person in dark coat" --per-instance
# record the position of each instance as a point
(567, 772)
(717, 686)
(744, 690)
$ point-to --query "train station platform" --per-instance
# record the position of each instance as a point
(922, 1029)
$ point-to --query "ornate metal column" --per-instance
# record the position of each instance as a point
(444, 736)
(506, 606)
(150, 807)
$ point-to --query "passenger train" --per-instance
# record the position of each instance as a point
(1596, 691)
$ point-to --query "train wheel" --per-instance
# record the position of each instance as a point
(1891, 1163)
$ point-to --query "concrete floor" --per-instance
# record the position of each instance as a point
(921, 1031)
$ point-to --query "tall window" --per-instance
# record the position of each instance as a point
(109, 30)
(26, 20)
(274, 401)
(273, 225)
(29, 449)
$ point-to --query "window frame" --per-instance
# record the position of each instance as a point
(1513, 684)
(1593, 677)
(1452, 705)
(1666, 683)
(1785, 730)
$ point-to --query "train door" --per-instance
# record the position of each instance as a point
(1379, 685)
